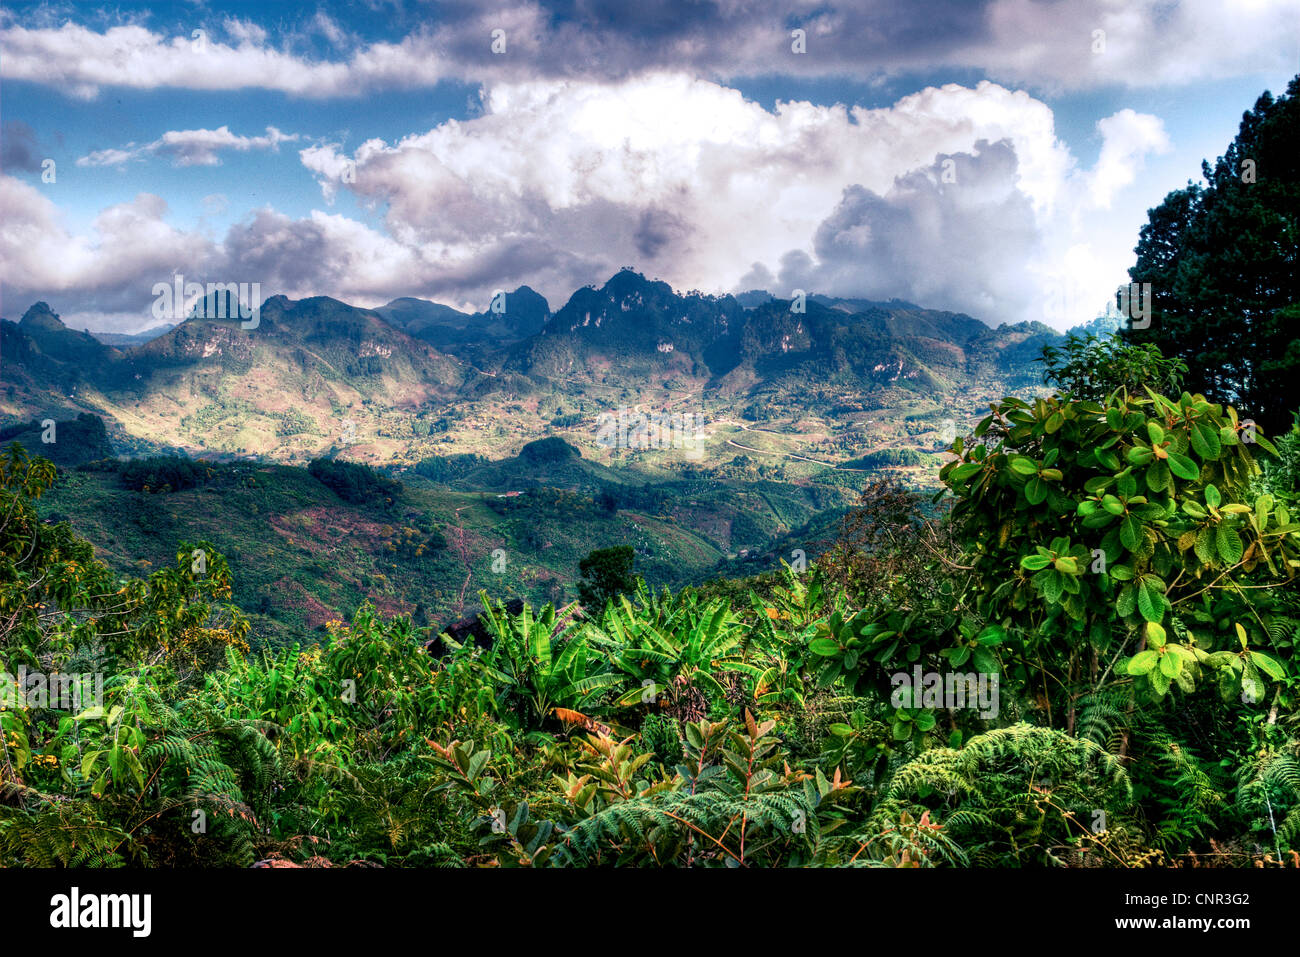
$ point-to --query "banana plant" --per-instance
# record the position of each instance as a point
(541, 662)
(783, 626)
(687, 646)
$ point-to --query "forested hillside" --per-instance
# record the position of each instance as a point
(312, 544)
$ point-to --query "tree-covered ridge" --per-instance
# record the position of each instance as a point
(1108, 582)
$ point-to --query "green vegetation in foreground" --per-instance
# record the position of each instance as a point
(1122, 568)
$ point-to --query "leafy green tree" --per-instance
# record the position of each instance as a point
(606, 574)
(1092, 367)
(1116, 539)
(1221, 261)
(354, 482)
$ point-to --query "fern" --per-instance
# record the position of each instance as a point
(63, 833)
(1268, 789)
(1012, 795)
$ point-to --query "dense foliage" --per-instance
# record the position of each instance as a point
(164, 473)
(354, 482)
(886, 458)
(1220, 259)
(66, 443)
(1109, 578)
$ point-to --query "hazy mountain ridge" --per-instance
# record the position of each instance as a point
(518, 315)
(314, 374)
(128, 340)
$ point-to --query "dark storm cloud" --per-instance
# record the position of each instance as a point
(615, 38)
(954, 235)
(657, 229)
(18, 148)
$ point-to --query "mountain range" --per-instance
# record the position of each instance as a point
(317, 374)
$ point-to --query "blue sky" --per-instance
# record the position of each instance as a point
(995, 157)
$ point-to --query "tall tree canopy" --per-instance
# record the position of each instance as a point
(1221, 261)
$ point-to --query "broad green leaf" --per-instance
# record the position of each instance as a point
(1268, 665)
(983, 661)
(1150, 601)
(1142, 662)
(1108, 459)
(1157, 476)
(1205, 441)
(1159, 682)
(1228, 544)
(1205, 545)
(1183, 467)
(1130, 532)
(1170, 665)
(958, 656)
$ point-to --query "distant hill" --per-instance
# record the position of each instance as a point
(473, 336)
(548, 451)
(315, 374)
(125, 340)
(306, 545)
(637, 330)
(49, 362)
(318, 376)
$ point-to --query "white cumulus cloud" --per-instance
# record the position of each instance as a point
(190, 147)
(955, 197)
